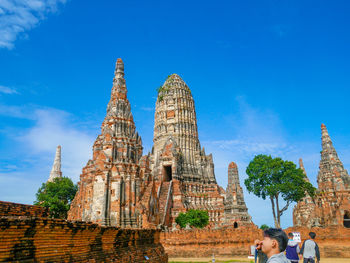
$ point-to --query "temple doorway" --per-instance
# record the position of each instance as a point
(347, 219)
(167, 173)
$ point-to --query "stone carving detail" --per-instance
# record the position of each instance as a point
(120, 187)
(56, 167)
(331, 205)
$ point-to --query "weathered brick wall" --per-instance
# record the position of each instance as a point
(27, 235)
(13, 209)
(205, 242)
(55, 240)
(332, 241)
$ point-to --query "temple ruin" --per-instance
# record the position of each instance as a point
(56, 167)
(331, 204)
(120, 187)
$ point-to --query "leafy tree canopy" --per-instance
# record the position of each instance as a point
(275, 178)
(57, 196)
(193, 217)
(264, 227)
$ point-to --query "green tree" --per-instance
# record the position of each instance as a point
(264, 227)
(57, 196)
(193, 217)
(275, 178)
(181, 220)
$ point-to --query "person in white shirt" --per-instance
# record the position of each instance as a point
(310, 249)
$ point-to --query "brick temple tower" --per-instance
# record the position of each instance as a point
(236, 211)
(332, 174)
(175, 123)
(119, 187)
(303, 211)
(110, 183)
(331, 204)
(184, 172)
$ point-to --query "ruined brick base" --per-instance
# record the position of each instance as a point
(54, 240)
(14, 209)
(334, 242)
(205, 242)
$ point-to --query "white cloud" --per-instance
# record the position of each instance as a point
(52, 128)
(35, 147)
(18, 16)
(7, 90)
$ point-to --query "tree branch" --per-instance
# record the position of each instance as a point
(285, 207)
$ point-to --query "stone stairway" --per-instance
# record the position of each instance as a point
(162, 199)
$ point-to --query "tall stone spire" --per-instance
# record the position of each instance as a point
(235, 208)
(303, 211)
(331, 204)
(301, 166)
(233, 177)
(110, 182)
(56, 167)
(331, 175)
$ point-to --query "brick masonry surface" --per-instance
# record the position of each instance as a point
(205, 242)
(34, 239)
(13, 209)
(334, 242)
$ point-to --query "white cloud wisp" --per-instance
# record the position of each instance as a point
(18, 16)
(35, 146)
(7, 90)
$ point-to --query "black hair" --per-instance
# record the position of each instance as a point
(290, 234)
(278, 235)
(312, 235)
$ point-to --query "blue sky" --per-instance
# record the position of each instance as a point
(264, 76)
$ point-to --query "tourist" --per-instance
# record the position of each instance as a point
(273, 245)
(292, 250)
(310, 249)
(260, 257)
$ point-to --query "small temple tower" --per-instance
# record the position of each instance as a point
(56, 167)
(236, 212)
(305, 209)
(331, 204)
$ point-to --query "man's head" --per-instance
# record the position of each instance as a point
(290, 235)
(275, 241)
(312, 235)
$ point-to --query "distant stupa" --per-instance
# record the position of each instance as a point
(56, 167)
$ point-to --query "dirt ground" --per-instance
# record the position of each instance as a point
(246, 260)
